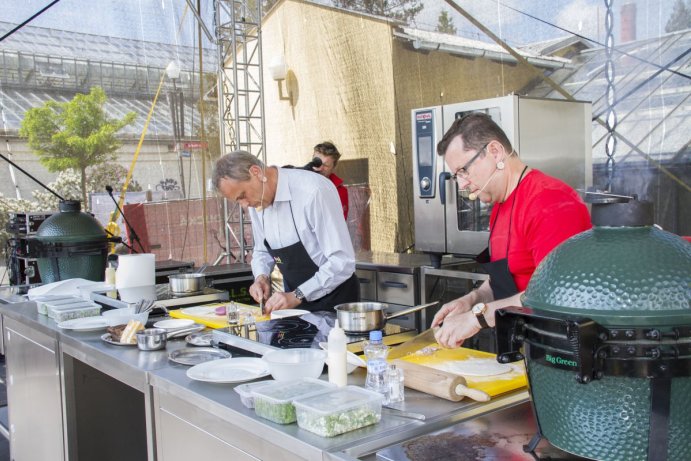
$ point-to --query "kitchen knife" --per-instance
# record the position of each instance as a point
(443, 384)
(414, 344)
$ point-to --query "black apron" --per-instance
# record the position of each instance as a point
(297, 267)
(500, 279)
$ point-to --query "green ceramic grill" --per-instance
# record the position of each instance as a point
(70, 244)
(606, 335)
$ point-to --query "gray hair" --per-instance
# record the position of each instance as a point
(235, 165)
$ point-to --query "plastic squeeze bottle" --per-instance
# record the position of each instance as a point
(338, 373)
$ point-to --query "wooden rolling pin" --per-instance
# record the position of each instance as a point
(437, 382)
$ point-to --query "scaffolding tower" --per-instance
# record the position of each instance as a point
(240, 100)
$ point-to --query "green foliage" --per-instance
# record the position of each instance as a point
(401, 10)
(680, 18)
(76, 134)
(445, 23)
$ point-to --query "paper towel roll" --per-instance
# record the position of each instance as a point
(136, 270)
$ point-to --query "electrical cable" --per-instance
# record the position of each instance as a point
(681, 74)
(34, 16)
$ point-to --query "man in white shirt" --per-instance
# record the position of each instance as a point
(297, 224)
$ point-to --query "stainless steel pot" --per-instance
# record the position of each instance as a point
(186, 283)
(367, 316)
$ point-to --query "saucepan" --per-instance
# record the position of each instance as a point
(186, 283)
(367, 316)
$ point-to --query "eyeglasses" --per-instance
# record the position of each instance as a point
(463, 172)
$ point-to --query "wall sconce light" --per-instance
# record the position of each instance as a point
(279, 72)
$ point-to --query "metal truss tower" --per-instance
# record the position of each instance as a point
(240, 98)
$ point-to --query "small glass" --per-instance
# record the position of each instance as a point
(232, 313)
(395, 384)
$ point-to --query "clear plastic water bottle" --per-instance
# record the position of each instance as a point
(376, 352)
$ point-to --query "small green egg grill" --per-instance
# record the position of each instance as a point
(70, 244)
(605, 332)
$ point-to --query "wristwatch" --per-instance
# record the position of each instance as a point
(479, 310)
(299, 295)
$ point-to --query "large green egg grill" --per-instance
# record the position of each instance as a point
(72, 244)
(606, 335)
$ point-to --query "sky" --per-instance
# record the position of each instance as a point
(157, 20)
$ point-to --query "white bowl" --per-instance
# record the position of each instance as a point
(352, 360)
(290, 364)
(123, 315)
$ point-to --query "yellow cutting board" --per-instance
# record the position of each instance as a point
(434, 356)
(206, 314)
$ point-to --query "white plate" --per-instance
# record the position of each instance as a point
(85, 324)
(174, 324)
(229, 370)
(283, 313)
(106, 337)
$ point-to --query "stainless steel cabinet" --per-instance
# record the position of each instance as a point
(398, 290)
(368, 284)
(185, 431)
(33, 392)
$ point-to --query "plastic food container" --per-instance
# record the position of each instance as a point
(43, 301)
(275, 402)
(338, 411)
(245, 391)
(73, 311)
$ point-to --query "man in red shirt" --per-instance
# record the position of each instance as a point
(329, 155)
(532, 213)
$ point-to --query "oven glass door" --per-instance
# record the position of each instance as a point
(467, 222)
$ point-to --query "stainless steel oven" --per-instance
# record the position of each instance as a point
(553, 136)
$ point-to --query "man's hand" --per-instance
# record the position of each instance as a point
(261, 288)
(456, 329)
(281, 300)
(457, 306)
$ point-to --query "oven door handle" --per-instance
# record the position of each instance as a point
(443, 177)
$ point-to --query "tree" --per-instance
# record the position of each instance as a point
(680, 18)
(445, 24)
(75, 134)
(402, 10)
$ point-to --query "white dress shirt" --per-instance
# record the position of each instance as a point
(316, 209)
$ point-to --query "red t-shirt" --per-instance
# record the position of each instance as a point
(547, 211)
(342, 193)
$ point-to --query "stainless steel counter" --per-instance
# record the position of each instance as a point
(180, 412)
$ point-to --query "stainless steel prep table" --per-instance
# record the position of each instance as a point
(149, 401)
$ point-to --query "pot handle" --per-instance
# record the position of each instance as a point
(411, 309)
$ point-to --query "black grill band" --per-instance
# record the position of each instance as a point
(658, 438)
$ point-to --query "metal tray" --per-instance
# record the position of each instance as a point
(200, 339)
(197, 355)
